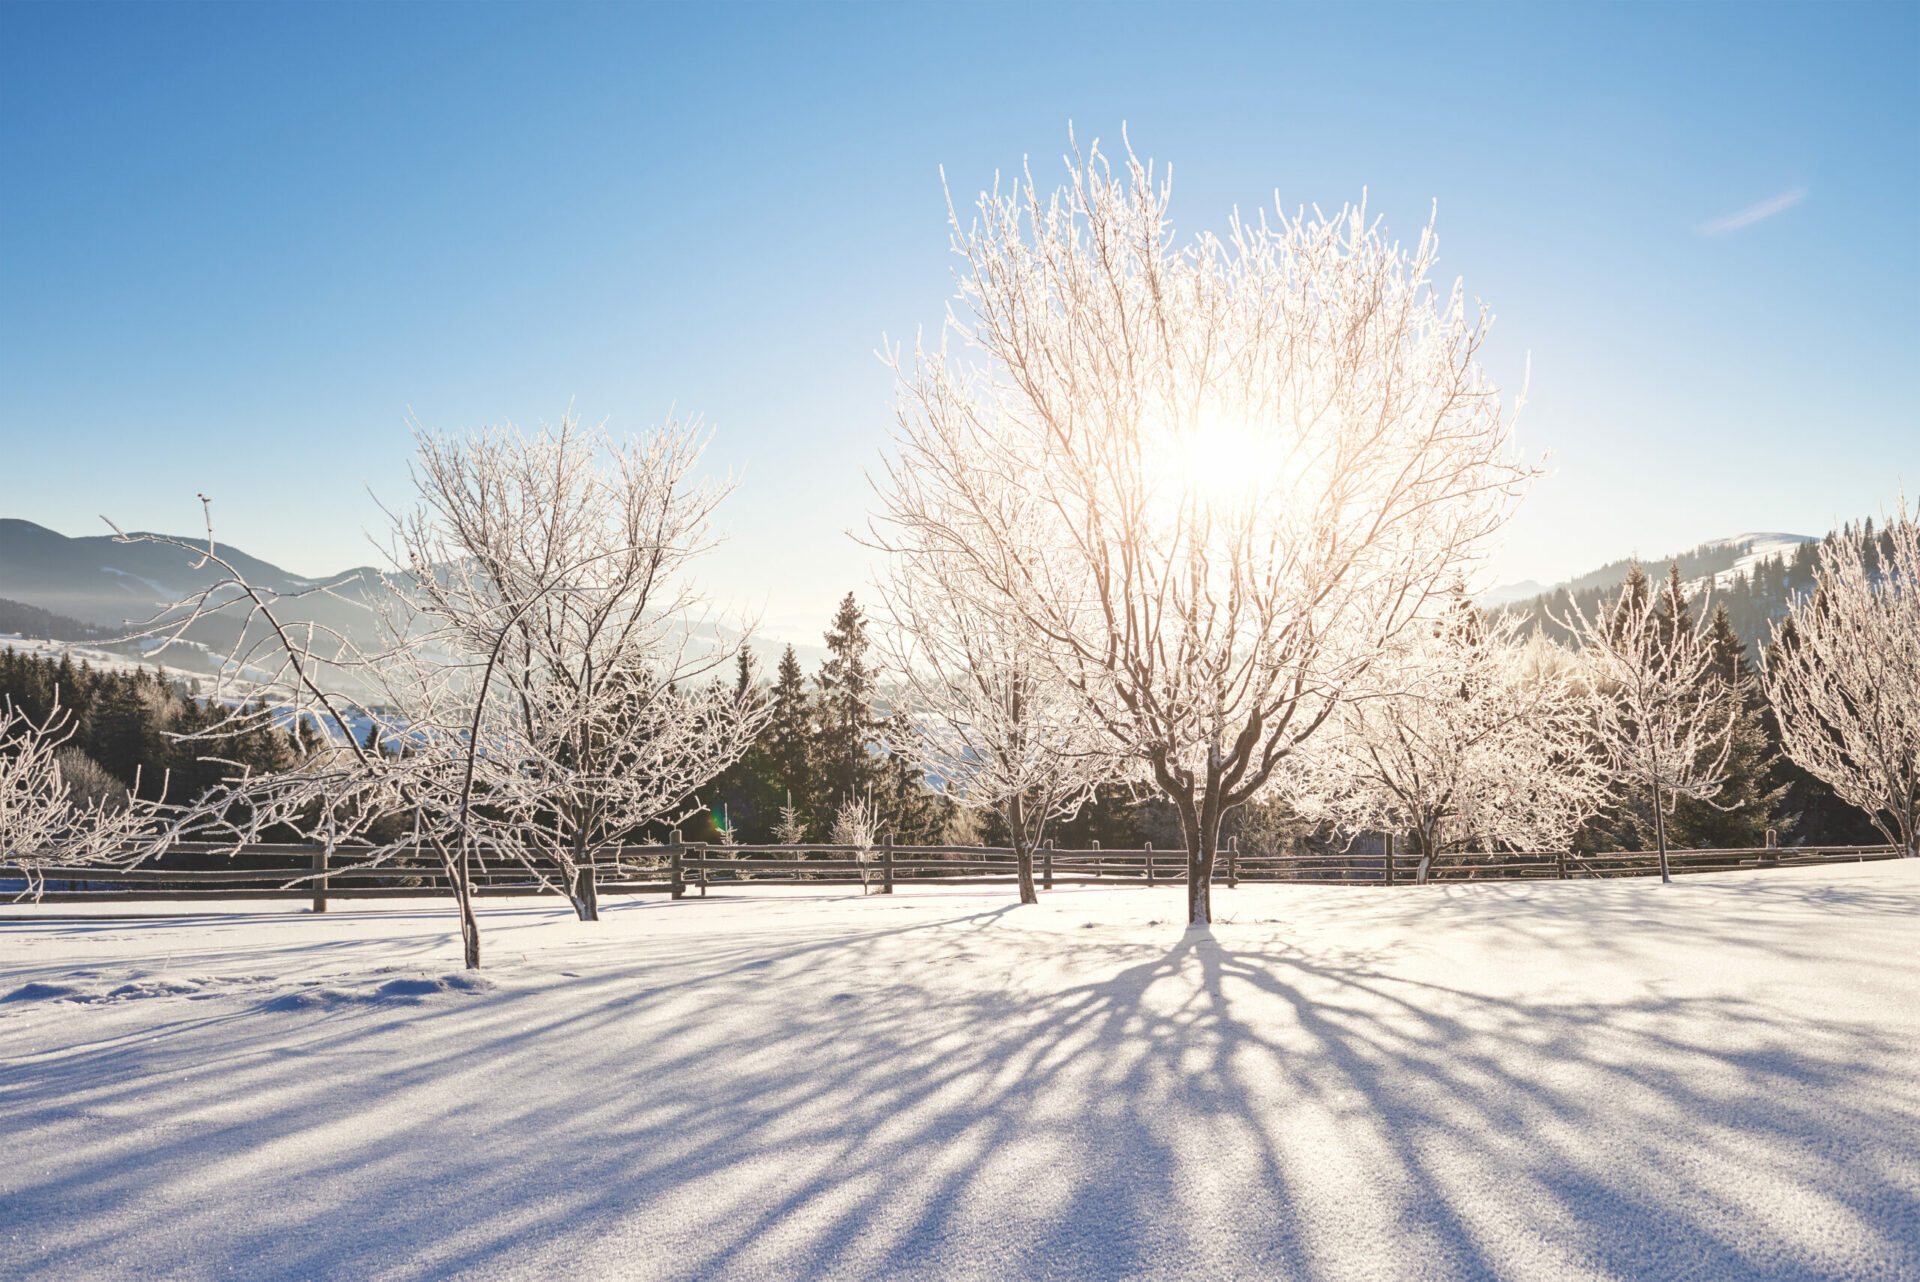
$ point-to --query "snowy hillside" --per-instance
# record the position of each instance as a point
(1716, 561)
(1752, 549)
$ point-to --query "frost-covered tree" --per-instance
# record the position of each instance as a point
(1461, 734)
(369, 805)
(987, 719)
(856, 825)
(507, 577)
(790, 829)
(1662, 717)
(1242, 465)
(566, 552)
(1844, 675)
(45, 821)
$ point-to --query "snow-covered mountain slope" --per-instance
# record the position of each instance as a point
(1754, 548)
(1729, 557)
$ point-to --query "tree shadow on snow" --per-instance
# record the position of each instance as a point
(922, 1100)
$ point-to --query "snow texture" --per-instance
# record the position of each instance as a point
(1713, 1079)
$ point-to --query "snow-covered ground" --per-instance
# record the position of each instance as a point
(1716, 1079)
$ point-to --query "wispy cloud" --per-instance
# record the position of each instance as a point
(1753, 213)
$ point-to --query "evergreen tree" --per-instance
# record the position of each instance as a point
(1749, 801)
(910, 812)
(788, 738)
(848, 731)
(745, 799)
(1672, 611)
(122, 736)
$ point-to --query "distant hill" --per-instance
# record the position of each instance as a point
(1753, 575)
(99, 580)
(93, 588)
(110, 587)
(18, 619)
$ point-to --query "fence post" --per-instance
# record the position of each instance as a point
(886, 864)
(1233, 861)
(320, 883)
(1389, 859)
(1149, 863)
(1099, 872)
(1560, 864)
(1046, 865)
(676, 875)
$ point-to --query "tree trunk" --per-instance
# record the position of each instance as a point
(1660, 835)
(580, 883)
(1203, 846)
(1199, 804)
(584, 894)
(1022, 851)
(459, 875)
(1426, 856)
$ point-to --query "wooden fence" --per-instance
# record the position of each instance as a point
(190, 872)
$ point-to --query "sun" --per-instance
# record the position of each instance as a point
(1224, 462)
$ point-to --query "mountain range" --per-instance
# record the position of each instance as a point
(97, 587)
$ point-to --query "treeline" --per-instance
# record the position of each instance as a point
(825, 744)
(1764, 789)
(122, 729)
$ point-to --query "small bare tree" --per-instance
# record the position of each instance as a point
(790, 829)
(855, 825)
(988, 721)
(535, 639)
(432, 695)
(1461, 733)
(1661, 712)
(566, 550)
(1844, 675)
(1209, 482)
(43, 823)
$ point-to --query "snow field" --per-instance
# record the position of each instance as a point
(1524, 1080)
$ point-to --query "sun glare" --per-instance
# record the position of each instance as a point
(1224, 462)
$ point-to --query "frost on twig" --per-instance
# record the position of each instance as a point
(44, 826)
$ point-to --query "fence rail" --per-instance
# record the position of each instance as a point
(190, 872)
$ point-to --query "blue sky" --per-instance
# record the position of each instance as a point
(239, 243)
